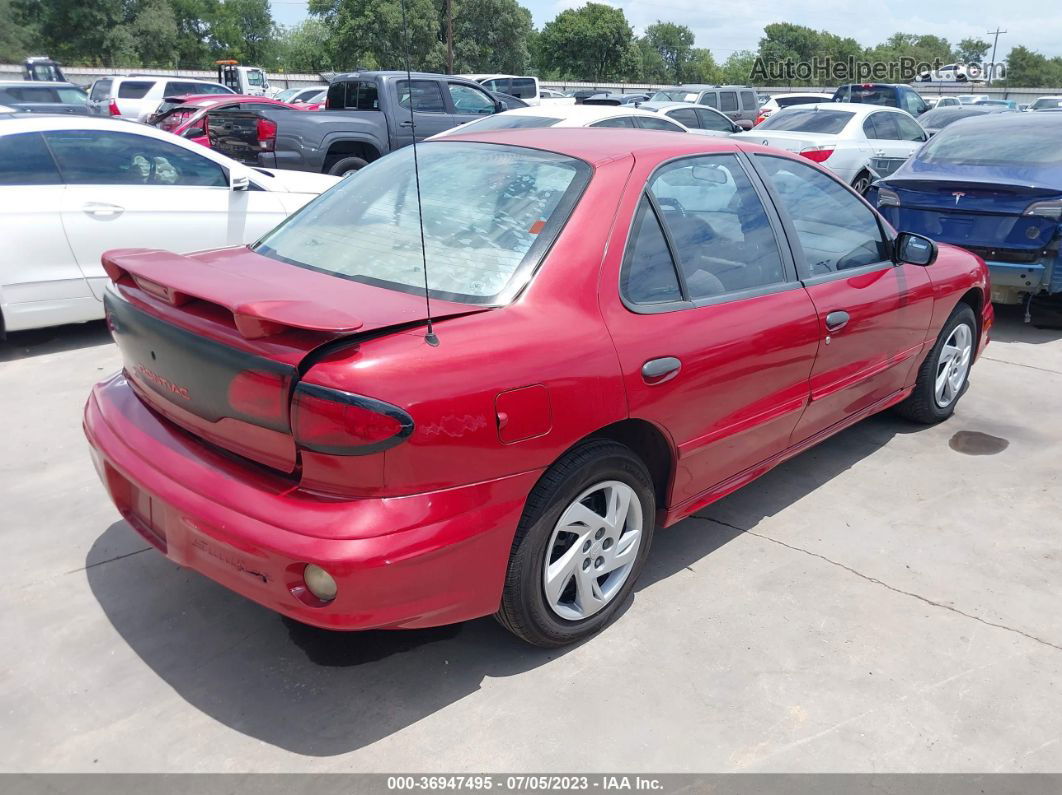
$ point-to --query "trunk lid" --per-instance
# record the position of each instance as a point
(234, 133)
(790, 141)
(987, 217)
(215, 342)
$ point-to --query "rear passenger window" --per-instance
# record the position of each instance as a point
(523, 87)
(723, 239)
(134, 89)
(648, 275)
(685, 116)
(620, 121)
(837, 231)
(728, 101)
(24, 160)
(652, 123)
(354, 95)
(426, 96)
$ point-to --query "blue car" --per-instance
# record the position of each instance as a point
(993, 185)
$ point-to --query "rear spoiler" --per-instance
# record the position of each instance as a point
(259, 308)
(601, 102)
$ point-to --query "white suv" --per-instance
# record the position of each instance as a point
(137, 96)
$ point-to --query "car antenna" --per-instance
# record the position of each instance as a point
(430, 337)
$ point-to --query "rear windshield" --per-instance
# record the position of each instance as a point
(507, 121)
(785, 102)
(877, 95)
(1004, 144)
(674, 96)
(807, 120)
(481, 247)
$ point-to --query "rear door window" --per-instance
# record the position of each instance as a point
(176, 88)
(134, 89)
(619, 121)
(882, 127)
(656, 123)
(354, 95)
(648, 275)
(728, 102)
(685, 116)
(721, 234)
(25, 160)
(426, 96)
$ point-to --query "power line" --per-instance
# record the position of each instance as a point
(995, 41)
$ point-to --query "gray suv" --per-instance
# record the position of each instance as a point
(739, 103)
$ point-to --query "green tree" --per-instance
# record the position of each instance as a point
(651, 67)
(155, 34)
(76, 31)
(195, 20)
(587, 43)
(972, 50)
(490, 36)
(702, 67)
(306, 47)
(737, 69)
(1029, 69)
(244, 30)
(16, 38)
(370, 33)
(674, 45)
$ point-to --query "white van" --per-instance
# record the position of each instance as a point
(523, 87)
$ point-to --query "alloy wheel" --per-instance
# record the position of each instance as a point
(953, 365)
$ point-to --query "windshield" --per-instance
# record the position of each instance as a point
(507, 121)
(674, 96)
(807, 120)
(490, 213)
(976, 144)
(1047, 102)
(874, 95)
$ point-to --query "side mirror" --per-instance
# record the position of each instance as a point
(239, 182)
(915, 249)
(500, 106)
(193, 132)
(737, 128)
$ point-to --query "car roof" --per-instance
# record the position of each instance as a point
(802, 94)
(667, 105)
(1011, 121)
(858, 108)
(46, 83)
(603, 145)
(584, 113)
(42, 122)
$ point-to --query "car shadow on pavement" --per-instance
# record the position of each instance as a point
(321, 693)
(1010, 326)
(55, 339)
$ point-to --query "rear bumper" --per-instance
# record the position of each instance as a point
(414, 561)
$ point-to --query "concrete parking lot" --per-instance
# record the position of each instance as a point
(888, 601)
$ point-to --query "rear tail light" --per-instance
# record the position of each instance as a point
(1048, 209)
(260, 396)
(817, 154)
(267, 134)
(760, 118)
(341, 423)
(888, 198)
(113, 108)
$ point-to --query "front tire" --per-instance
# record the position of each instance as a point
(944, 374)
(580, 546)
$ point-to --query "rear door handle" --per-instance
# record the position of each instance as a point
(835, 321)
(657, 371)
(102, 210)
(405, 124)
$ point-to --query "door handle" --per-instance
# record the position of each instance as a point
(835, 321)
(657, 371)
(405, 124)
(101, 210)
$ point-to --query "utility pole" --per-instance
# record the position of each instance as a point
(449, 37)
(995, 41)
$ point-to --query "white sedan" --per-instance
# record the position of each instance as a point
(568, 116)
(71, 188)
(854, 141)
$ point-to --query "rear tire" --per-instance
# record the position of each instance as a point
(591, 566)
(861, 184)
(347, 165)
(945, 373)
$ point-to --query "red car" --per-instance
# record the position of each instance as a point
(628, 325)
(184, 116)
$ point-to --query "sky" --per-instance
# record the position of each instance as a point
(724, 26)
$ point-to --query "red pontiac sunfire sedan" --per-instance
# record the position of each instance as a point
(631, 324)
